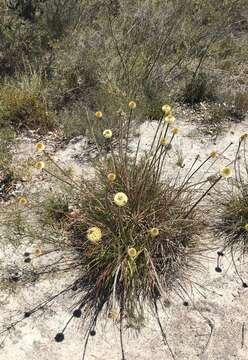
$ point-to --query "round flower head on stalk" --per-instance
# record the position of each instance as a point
(39, 165)
(40, 146)
(169, 119)
(38, 252)
(132, 252)
(132, 105)
(175, 131)
(94, 234)
(164, 141)
(120, 199)
(107, 134)
(98, 114)
(213, 154)
(226, 172)
(167, 109)
(154, 232)
(111, 177)
(22, 200)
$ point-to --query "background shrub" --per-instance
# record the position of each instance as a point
(22, 109)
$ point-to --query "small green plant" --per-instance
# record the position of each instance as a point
(24, 110)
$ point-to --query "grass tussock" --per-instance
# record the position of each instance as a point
(232, 220)
(129, 237)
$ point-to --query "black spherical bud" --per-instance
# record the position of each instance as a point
(245, 285)
(92, 333)
(27, 260)
(218, 269)
(26, 254)
(59, 337)
(185, 303)
(27, 314)
(220, 253)
(77, 313)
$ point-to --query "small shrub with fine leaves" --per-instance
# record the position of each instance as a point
(22, 109)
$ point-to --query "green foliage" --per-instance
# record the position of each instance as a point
(22, 109)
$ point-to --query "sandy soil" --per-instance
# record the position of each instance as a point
(221, 300)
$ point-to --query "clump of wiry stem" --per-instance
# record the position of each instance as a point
(132, 238)
(232, 220)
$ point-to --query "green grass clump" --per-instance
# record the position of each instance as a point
(22, 109)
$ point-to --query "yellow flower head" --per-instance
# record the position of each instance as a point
(164, 141)
(107, 134)
(154, 232)
(40, 165)
(94, 234)
(226, 172)
(175, 131)
(38, 252)
(169, 119)
(213, 154)
(132, 105)
(132, 252)
(22, 200)
(246, 227)
(40, 147)
(167, 109)
(111, 177)
(120, 199)
(98, 114)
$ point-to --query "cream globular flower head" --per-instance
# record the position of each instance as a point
(94, 234)
(39, 165)
(246, 227)
(169, 119)
(175, 131)
(38, 252)
(132, 105)
(98, 114)
(107, 134)
(167, 109)
(111, 177)
(40, 146)
(22, 200)
(132, 252)
(164, 141)
(226, 172)
(213, 154)
(120, 199)
(154, 232)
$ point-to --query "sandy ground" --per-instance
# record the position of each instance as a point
(221, 302)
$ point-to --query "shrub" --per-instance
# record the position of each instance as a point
(199, 88)
(239, 108)
(24, 110)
